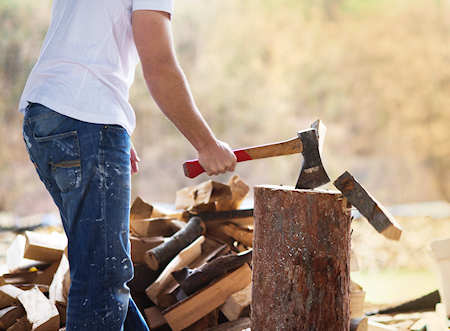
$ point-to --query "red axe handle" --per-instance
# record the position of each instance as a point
(193, 168)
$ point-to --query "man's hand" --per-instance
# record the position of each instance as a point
(217, 158)
(134, 159)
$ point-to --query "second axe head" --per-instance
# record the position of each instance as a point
(307, 142)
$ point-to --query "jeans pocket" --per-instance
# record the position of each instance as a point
(64, 158)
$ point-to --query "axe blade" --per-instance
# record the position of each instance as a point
(313, 173)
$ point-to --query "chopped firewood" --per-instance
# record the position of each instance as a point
(205, 322)
(9, 295)
(143, 210)
(239, 191)
(182, 259)
(22, 324)
(155, 318)
(62, 310)
(44, 247)
(41, 313)
(238, 304)
(204, 193)
(357, 296)
(34, 276)
(143, 277)
(420, 325)
(140, 245)
(14, 256)
(203, 208)
(242, 324)
(163, 253)
(375, 326)
(210, 250)
(57, 292)
(242, 235)
(9, 315)
(359, 324)
(154, 227)
(45, 277)
(191, 280)
(193, 308)
(25, 287)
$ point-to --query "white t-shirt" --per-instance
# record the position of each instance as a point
(88, 60)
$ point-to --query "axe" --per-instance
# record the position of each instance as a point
(312, 174)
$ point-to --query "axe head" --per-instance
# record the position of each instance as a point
(313, 173)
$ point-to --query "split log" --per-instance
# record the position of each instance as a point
(420, 325)
(357, 296)
(9, 295)
(239, 191)
(359, 324)
(163, 253)
(143, 277)
(210, 250)
(155, 318)
(238, 304)
(44, 247)
(41, 313)
(244, 236)
(14, 256)
(375, 326)
(207, 321)
(154, 227)
(205, 193)
(143, 210)
(57, 292)
(301, 260)
(22, 324)
(9, 315)
(375, 213)
(184, 258)
(192, 280)
(22, 277)
(242, 324)
(140, 245)
(193, 308)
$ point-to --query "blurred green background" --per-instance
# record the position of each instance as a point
(376, 72)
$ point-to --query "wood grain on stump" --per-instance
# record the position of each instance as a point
(301, 260)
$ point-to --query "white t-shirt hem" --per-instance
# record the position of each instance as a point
(74, 113)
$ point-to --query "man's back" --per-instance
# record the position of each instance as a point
(87, 62)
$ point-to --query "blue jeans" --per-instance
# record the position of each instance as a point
(86, 169)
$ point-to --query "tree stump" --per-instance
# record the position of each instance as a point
(301, 260)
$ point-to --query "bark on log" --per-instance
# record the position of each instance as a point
(165, 252)
(301, 260)
(181, 260)
(192, 280)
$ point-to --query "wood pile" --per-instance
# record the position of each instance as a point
(192, 270)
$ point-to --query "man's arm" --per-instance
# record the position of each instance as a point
(170, 89)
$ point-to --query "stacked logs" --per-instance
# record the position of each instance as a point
(192, 266)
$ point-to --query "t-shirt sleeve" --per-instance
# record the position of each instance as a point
(161, 5)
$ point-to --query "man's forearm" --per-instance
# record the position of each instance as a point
(171, 92)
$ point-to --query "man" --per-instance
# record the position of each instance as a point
(77, 129)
